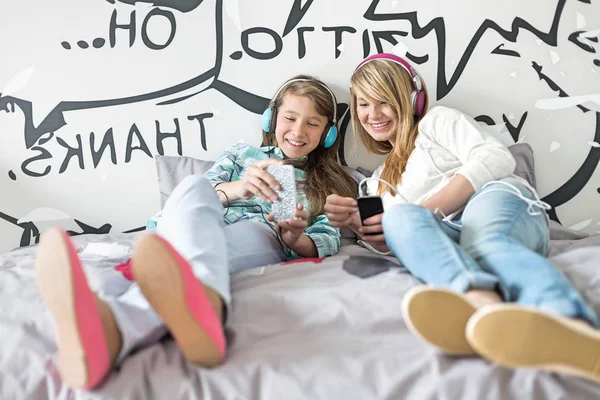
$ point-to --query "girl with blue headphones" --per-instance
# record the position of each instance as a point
(211, 226)
(459, 220)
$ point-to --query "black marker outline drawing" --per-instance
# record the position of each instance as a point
(505, 52)
(55, 119)
(580, 179)
(179, 5)
(438, 27)
(254, 103)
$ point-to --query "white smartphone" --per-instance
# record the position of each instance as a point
(284, 208)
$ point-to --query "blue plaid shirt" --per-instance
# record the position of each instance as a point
(231, 166)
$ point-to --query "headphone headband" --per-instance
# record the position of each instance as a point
(418, 95)
(395, 59)
(286, 84)
(328, 138)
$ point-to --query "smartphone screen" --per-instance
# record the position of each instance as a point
(284, 208)
(369, 206)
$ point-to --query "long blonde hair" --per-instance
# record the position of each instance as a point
(385, 81)
(324, 175)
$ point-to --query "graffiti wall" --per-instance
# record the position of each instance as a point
(91, 91)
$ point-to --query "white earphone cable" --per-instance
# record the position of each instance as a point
(362, 185)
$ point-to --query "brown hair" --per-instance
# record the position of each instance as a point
(324, 175)
(385, 81)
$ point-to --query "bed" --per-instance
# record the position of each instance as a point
(313, 329)
(303, 330)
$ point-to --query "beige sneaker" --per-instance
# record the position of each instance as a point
(439, 317)
(520, 337)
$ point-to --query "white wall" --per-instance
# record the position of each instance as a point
(190, 59)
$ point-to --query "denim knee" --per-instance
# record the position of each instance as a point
(401, 221)
(193, 183)
(191, 190)
(516, 183)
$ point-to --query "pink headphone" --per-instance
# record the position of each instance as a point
(418, 95)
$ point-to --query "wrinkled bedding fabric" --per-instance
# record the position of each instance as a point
(328, 330)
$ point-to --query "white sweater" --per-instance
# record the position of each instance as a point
(449, 143)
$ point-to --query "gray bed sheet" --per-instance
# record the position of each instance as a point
(297, 331)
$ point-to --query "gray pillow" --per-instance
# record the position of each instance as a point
(356, 174)
(523, 154)
(172, 169)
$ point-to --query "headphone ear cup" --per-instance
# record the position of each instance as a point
(413, 101)
(420, 103)
(266, 119)
(331, 137)
(273, 123)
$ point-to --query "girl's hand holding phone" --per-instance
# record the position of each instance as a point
(258, 182)
(372, 232)
(292, 230)
(342, 211)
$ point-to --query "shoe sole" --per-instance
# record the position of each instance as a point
(178, 297)
(83, 353)
(439, 317)
(520, 337)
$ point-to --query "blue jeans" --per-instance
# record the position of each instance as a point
(497, 244)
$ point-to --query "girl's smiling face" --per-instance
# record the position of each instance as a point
(299, 126)
(378, 119)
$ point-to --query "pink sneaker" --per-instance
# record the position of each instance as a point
(179, 298)
(83, 351)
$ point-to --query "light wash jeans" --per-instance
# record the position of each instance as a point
(496, 245)
(192, 223)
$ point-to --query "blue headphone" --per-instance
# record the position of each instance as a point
(269, 115)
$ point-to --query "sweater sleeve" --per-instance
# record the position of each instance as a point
(226, 167)
(482, 156)
(325, 237)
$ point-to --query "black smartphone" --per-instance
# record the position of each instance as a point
(369, 206)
